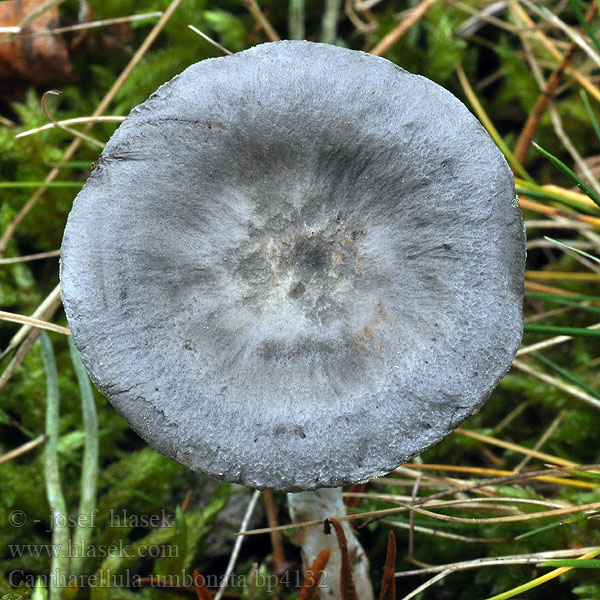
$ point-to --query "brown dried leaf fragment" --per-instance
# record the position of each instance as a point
(310, 586)
(347, 589)
(356, 488)
(388, 582)
(201, 589)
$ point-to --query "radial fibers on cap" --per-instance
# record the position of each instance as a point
(296, 267)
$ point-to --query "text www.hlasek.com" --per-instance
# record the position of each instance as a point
(92, 551)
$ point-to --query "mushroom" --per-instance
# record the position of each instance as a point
(296, 267)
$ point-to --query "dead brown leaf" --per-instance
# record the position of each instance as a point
(41, 60)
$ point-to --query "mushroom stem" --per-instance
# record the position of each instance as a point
(319, 505)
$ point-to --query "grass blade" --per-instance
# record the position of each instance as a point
(577, 473)
(592, 563)
(566, 374)
(575, 301)
(590, 256)
(582, 185)
(558, 330)
(329, 21)
(89, 470)
(296, 20)
(550, 526)
(525, 188)
(590, 112)
(58, 507)
(541, 580)
(560, 298)
(39, 184)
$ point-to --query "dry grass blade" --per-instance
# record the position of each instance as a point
(411, 517)
(574, 195)
(4, 120)
(444, 534)
(347, 589)
(481, 17)
(276, 543)
(515, 447)
(498, 472)
(544, 438)
(210, 40)
(78, 27)
(73, 132)
(530, 26)
(393, 36)
(44, 312)
(456, 489)
(554, 114)
(515, 165)
(15, 318)
(388, 583)
(257, 13)
(557, 383)
(576, 35)
(20, 259)
(238, 544)
(494, 481)
(556, 212)
(19, 356)
(533, 122)
(507, 519)
(350, 8)
(427, 584)
(563, 136)
(515, 559)
(458, 469)
(23, 449)
(481, 503)
(314, 576)
(443, 481)
(524, 559)
(74, 121)
(364, 5)
(39, 11)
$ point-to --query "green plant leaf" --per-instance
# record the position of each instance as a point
(558, 330)
(592, 563)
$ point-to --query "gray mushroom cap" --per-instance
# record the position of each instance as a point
(296, 267)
